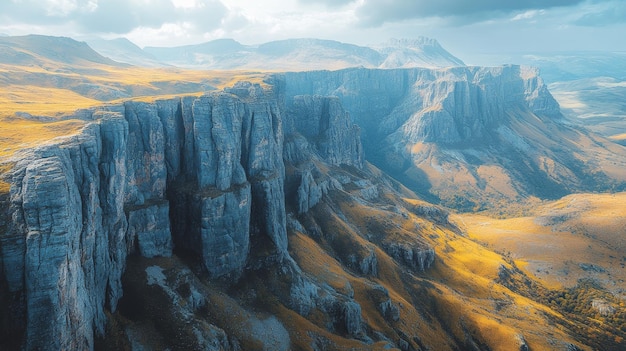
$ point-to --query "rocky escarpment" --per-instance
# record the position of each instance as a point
(470, 137)
(473, 98)
(280, 235)
(199, 175)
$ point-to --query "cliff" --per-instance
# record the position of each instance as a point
(469, 137)
(204, 175)
(249, 218)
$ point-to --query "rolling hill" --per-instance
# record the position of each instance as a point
(48, 78)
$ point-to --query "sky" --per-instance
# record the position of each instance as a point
(469, 29)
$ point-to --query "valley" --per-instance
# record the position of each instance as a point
(450, 208)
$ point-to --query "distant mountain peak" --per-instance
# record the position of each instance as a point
(124, 50)
(416, 52)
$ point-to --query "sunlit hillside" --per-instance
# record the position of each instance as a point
(44, 80)
(581, 236)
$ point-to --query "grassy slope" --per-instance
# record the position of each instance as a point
(462, 302)
(561, 238)
(459, 299)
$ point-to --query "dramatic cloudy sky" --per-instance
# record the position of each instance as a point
(467, 28)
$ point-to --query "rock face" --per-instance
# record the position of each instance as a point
(418, 258)
(469, 137)
(201, 175)
(447, 105)
(56, 260)
(324, 120)
(150, 228)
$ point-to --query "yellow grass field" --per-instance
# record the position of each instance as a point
(53, 90)
(578, 236)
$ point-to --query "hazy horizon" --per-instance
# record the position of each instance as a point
(469, 32)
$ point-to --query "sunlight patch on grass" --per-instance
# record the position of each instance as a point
(18, 133)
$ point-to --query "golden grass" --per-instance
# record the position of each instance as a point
(562, 235)
(312, 258)
(4, 185)
(19, 133)
(38, 91)
(618, 137)
(38, 100)
(464, 298)
(497, 179)
(52, 90)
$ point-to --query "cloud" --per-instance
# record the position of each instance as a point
(207, 16)
(35, 12)
(527, 15)
(121, 16)
(603, 14)
(116, 16)
(377, 12)
(329, 3)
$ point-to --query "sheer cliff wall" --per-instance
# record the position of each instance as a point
(469, 137)
(204, 176)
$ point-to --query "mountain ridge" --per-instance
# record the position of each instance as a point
(124, 51)
(228, 54)
(61, 49)
(306, 53)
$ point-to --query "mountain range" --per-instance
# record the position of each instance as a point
(304, 210)
(284, 55)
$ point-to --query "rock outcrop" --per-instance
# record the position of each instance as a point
(150, 228)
